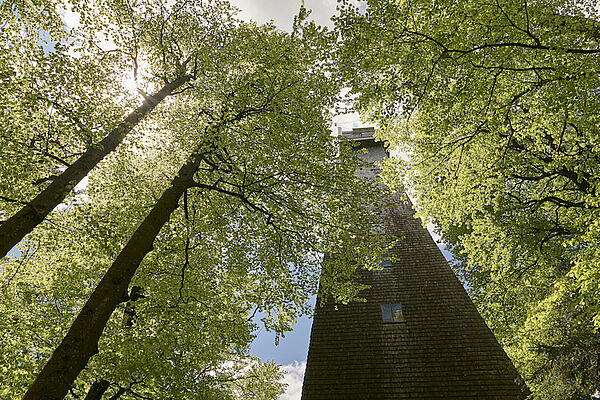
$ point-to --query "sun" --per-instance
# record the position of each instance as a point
(130, 85)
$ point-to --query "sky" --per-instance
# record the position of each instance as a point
(282, 12)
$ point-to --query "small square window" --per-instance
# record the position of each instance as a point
(392, 313)
(385, 261)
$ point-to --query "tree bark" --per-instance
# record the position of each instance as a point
(26, 219)
(81, 342)
(97, 390)
(129, 314)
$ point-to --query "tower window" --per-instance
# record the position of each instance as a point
(384, 260)
(392, 312)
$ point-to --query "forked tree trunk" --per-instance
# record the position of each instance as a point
(25, 220)
(81, 342)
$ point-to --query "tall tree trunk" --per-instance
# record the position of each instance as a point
(25, 220)
(81, 342)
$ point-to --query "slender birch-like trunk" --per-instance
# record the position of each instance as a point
(25, 220)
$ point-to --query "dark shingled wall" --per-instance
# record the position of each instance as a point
(443, 350)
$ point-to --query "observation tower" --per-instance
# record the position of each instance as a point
(417, 336)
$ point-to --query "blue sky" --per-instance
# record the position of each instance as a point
(293, 347)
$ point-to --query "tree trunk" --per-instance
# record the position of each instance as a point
(97, 390)
(129, 315)
(81, 342)
(26, 219)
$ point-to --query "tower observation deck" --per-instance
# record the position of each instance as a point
(417, 336)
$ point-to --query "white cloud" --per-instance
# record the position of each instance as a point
(294, 376)
(282, 12)
(70, 18)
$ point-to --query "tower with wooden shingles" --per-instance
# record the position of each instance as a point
(417, 336)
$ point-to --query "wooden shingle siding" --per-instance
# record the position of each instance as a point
(443, 350)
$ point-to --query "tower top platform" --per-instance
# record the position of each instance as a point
(359, 134)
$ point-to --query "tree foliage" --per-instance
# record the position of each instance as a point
(55, 119)
(54, 103)
(218, 205)
(496, 105)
